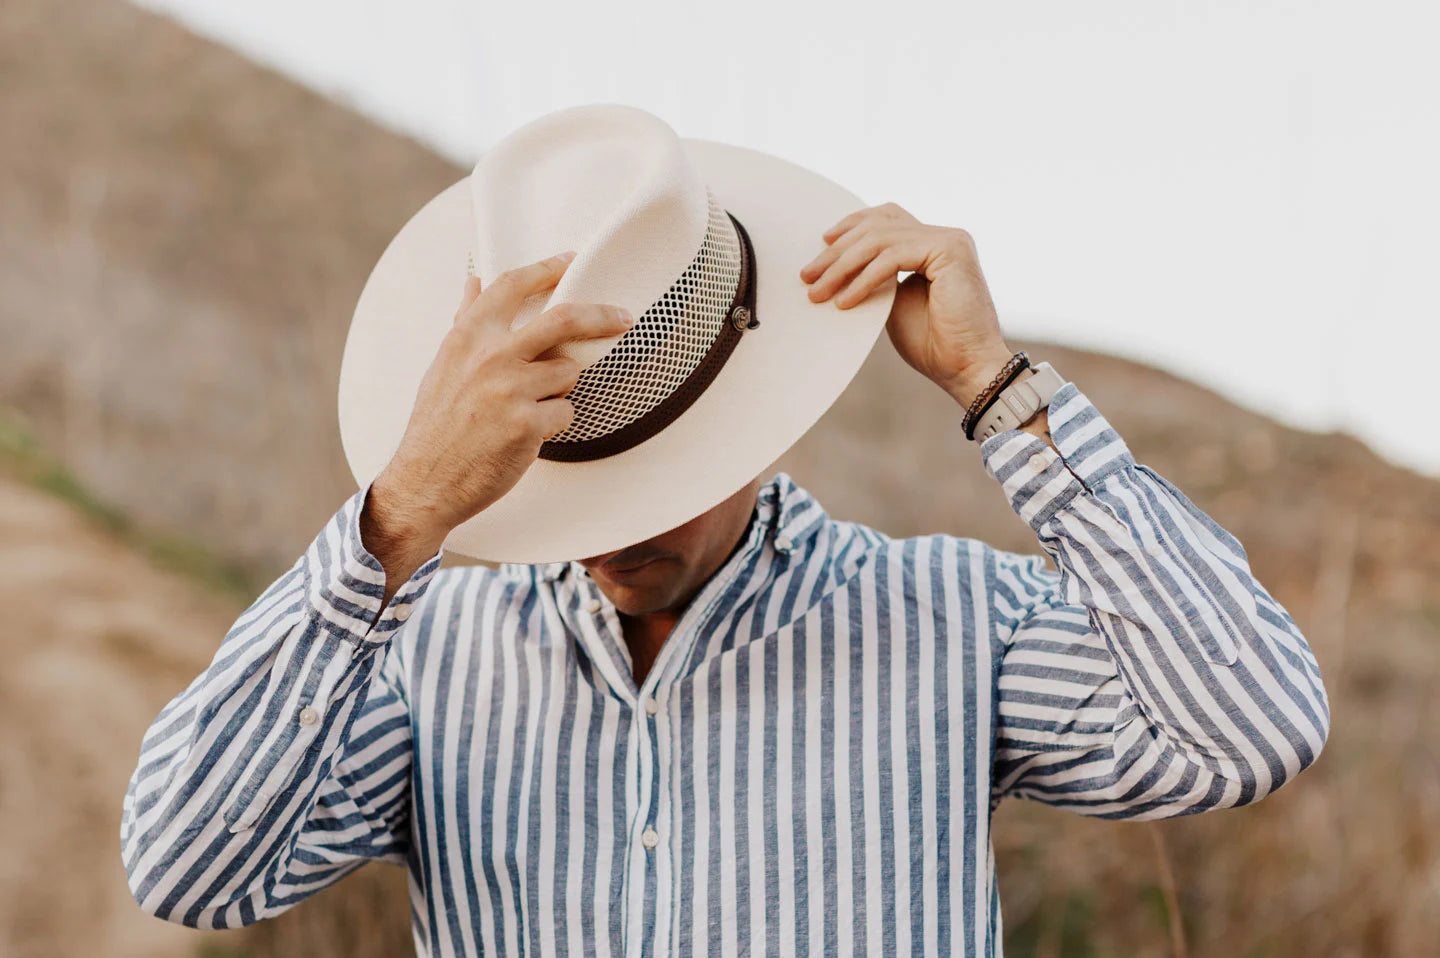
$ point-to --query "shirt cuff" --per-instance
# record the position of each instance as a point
(1038, 481)
(346, 584)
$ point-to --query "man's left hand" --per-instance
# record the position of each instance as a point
(943, 322)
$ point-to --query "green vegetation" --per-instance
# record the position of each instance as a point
(22, 457)
(1061, 927)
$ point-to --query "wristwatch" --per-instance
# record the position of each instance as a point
(1019, 402)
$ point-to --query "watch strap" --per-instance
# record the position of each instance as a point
(1019, 402)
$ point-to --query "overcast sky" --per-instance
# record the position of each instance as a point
(1242, 193)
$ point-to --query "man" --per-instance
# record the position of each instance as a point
(762, 730)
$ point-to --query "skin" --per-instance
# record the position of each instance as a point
(449, 467)
(652, 598)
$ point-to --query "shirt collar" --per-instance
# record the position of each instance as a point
(789, 514)
(792, 514)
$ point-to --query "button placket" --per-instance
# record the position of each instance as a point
(650, 751)
(647, 750)
(669, 669)
(650, 864)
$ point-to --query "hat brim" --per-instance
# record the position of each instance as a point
(777, 383)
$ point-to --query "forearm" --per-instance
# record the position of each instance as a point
(400, 536)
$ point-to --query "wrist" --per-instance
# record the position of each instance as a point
(967, 383)
(394, 522)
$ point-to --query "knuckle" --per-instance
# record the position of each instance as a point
(477, 357)
(537, 423)
(518, 421)
(455, 341)
(509, 388)
(567, 369)
(500, 396)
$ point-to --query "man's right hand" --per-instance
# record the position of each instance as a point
(489, 399)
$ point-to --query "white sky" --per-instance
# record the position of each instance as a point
(1243, 193)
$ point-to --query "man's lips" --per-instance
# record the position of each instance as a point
(611, 569)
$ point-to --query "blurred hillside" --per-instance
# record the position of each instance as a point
(183, 237)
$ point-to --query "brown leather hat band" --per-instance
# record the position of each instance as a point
(741, 316)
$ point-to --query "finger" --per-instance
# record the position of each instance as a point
(512, 287)
(551, 377)
(567, 322)
(834, 232)
(555, 416)
(880, 269)
(849, 262)
(877, 258)
(816, 268)
(468, 296)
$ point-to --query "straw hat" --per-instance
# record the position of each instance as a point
(728, 363)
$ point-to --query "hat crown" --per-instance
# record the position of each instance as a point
(611, 182)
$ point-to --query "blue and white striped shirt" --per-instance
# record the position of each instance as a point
(809, 767)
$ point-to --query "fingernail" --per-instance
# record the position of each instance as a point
(625, 317)
(567, 256)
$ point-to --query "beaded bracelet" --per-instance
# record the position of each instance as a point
(1014, 367)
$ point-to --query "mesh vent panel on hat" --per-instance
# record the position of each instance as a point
(653, 357)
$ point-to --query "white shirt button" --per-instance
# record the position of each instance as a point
(402, 612)
(308, 716)
(783, 542)
(1037, 462)
(651, 706)
(592, 606)
(649, 838)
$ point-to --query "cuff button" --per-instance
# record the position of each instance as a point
(402, 612)
(308, 716)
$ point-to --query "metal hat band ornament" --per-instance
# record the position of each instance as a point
(662, 364)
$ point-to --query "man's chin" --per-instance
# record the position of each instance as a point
(633, 601)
